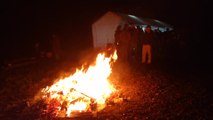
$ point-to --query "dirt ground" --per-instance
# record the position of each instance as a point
(145, 92)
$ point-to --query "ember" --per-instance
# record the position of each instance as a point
(85, 91)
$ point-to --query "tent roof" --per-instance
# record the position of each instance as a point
(132, 19)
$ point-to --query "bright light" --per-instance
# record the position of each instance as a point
(85, 87)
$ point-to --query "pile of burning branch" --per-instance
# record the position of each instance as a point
(87, 90)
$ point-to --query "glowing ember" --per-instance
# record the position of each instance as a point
(85, 90)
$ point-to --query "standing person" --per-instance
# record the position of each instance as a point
(133, 44)
(147, 39)
(139, 44)
(124, 45)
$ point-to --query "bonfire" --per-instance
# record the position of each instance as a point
(84, 91)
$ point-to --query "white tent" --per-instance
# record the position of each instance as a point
(104, 28)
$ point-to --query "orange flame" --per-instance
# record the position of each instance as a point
(84, 88)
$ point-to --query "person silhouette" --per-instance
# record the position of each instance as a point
(147, 39)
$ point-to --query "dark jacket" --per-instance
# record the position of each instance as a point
(147, 38)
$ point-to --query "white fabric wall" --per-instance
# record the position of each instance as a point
(103, 29)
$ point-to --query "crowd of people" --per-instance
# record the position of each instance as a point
(135, 45)
(129, 44)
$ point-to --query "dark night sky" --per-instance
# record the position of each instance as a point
(25, 22)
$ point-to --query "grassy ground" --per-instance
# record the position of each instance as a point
(147, 92)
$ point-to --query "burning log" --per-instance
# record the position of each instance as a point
(82, 93)
(93, 102)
